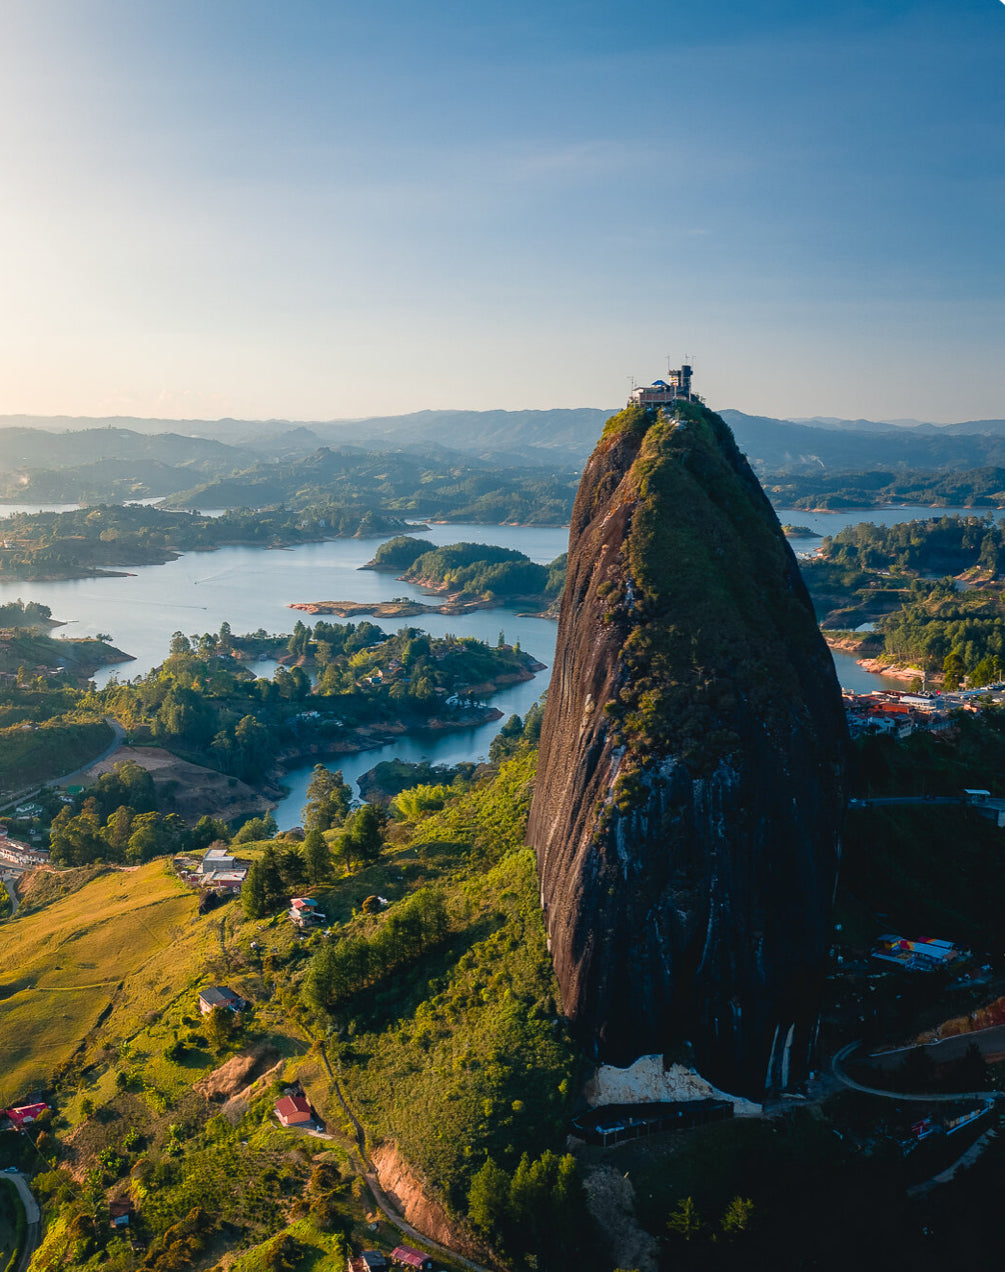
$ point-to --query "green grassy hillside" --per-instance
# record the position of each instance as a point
(124, 942)
(448, 1049)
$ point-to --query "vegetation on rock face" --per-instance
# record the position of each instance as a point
(689, 590)
(688, 806)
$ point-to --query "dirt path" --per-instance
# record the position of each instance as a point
(370, 1175)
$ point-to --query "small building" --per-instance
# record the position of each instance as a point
(219, 996)
(120, 1212)
(918, 954)
(233, 880)
(217, 859)
(294, 1110)
(26, 1114)
(304, 911)
(368, 1261)
(406, 1257)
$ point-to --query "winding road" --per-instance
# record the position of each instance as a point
(118, 735)
(10, 885)
(939, 1097)
(33, 1215)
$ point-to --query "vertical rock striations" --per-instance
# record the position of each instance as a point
(690, 784)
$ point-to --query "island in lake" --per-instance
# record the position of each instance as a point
(470, 575)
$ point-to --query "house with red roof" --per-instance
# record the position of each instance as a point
(26, 1114)
(406, 1257)
(294, 1110)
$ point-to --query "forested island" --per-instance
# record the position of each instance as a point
(470, 575)
(340, 688)
(111, 538)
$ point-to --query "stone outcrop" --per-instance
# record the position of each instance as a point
(690, 785)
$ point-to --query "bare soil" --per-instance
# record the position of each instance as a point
(187, 789)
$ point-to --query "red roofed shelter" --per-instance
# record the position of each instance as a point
(406, 1257)
(26, 1114)
(294, 1110)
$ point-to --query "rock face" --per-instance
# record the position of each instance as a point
(690, 784)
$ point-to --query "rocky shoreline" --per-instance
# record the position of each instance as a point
(402, 608)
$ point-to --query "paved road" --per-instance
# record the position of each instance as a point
(934, 1097)
(990, 1043)
(965, 1159)
(12, 893)
(119, 734)
(994, 804)
(33, 1214)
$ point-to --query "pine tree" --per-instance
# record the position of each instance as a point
(317, 857)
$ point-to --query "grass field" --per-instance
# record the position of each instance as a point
(123, 939)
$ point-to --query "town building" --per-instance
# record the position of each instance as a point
(20, 854)
(294, 1110)
(219, 996)
(25, 1114)
(120, 1212)
(406, 1257)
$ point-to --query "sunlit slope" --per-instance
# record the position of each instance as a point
(124, 942)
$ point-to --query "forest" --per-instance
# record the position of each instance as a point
(90, 541)
(933, 589)
(472, 571)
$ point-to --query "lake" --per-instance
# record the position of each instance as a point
(251, 588)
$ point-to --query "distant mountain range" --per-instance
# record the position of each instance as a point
(127, 457)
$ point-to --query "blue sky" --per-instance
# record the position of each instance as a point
(316, 210)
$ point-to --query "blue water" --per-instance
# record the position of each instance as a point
(251, 588)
